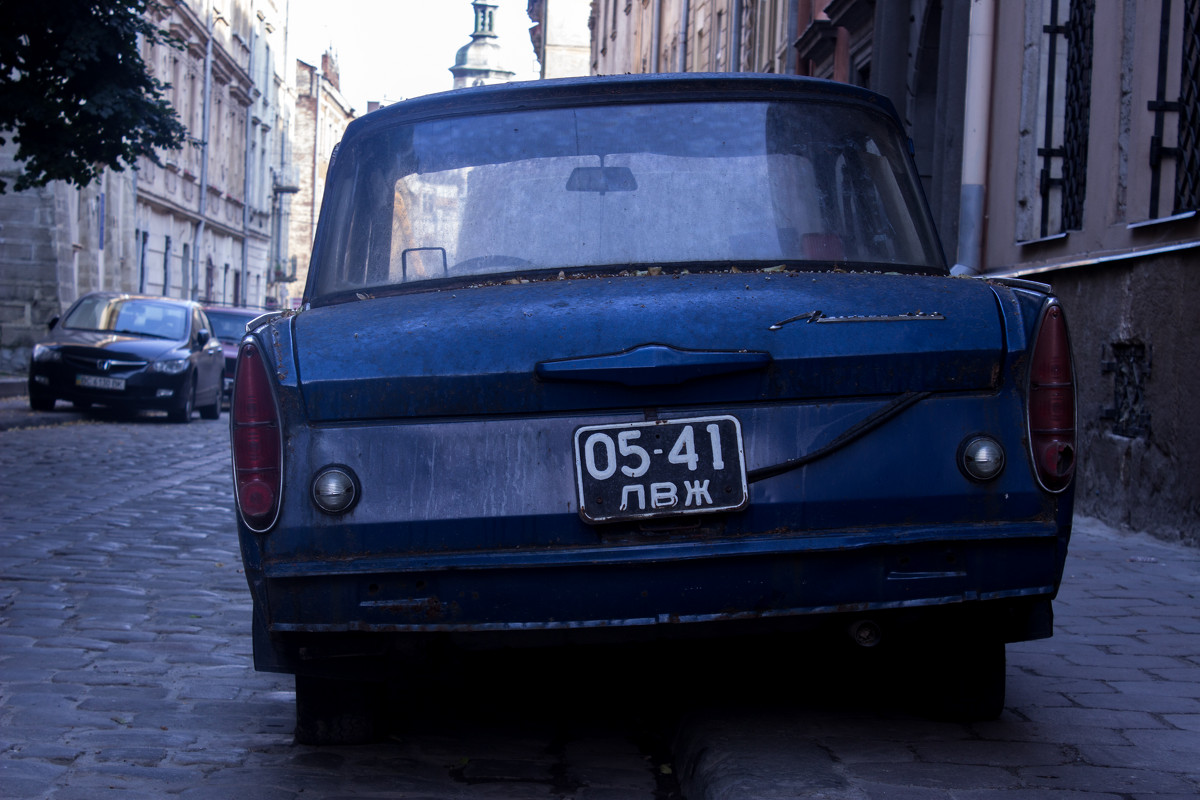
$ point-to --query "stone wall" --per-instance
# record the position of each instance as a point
(29, 291)
(1136, 339)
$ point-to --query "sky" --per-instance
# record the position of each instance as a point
(394, 49)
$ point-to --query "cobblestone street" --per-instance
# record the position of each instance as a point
(125, 671)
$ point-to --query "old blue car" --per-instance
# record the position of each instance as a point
(641, 357)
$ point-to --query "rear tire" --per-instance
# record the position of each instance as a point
(331, 711)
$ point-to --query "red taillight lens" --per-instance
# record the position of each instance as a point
(1051, 402)
(257, 448)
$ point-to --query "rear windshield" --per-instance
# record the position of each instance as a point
(161, 320)
(741, 183)
(228, 326)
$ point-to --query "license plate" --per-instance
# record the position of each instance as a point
(642, 470)
(100, 382)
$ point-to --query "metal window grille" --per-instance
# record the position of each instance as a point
(1187, 150)
(1076, 36)
(1187, 173)
(1078, 112)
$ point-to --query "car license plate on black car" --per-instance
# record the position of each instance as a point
(100, 382)
(641, 470)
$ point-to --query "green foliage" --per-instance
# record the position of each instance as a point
(74, 92)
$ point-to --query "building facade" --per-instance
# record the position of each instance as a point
(639, 36)
(200, 226)
(204, 227)
(322, 114)
(560, 37)
(1058, 141)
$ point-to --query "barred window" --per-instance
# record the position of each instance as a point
(1055, 114)
(1187, 177)
(1185, 109)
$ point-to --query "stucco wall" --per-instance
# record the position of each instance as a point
(1145, 481)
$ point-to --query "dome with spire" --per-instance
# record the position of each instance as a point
(478, 62)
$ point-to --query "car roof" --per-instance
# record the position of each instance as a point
(614, 90)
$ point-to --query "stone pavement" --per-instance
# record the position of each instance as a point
(125, 671)
(125, 657)
(1107, 708)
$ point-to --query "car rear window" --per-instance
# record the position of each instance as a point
(622, 186)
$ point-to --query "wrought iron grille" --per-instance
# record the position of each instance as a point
(1187, 173)
(1078, 111)
(1073, 151)
(1187, 150)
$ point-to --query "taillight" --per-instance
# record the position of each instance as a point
(1051, 399)
(257, 447)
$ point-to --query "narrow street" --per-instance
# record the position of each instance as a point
(125, 670)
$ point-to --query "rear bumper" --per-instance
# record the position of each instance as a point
(999, 576)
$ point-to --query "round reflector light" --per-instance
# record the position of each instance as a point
(334, 490)
(982, 458)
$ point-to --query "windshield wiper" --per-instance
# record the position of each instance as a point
(142, 333)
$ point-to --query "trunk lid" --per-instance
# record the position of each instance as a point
(635, 342)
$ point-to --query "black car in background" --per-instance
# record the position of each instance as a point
(229, 326)
(130, 352)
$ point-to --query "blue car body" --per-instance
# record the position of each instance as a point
(486, 425)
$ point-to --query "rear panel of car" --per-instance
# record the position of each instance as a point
(471, 522)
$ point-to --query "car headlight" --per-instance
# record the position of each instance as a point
(43, 353)
(170, 366)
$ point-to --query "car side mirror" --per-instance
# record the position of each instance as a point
(53, 321)
(203, 336)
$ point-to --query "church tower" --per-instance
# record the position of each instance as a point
(478, 62)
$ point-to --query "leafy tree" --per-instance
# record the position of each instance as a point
(74, 92)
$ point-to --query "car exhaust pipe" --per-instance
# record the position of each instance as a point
(866, 633)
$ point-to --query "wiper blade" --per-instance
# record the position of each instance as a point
(141, 333)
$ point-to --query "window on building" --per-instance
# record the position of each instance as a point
(166, 266)
(1054, 144)
(143, 241)
(185, 266)
(719, 43)
(1182, 109)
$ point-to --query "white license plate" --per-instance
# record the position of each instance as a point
(100, 382)
(642, 470)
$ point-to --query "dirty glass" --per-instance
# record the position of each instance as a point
(745, 183)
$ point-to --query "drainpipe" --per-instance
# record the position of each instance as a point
(980, 47)
(246, 182)
(735, 30)
(655, 34)
(198, 236)
(684, 13)
(312, 212)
